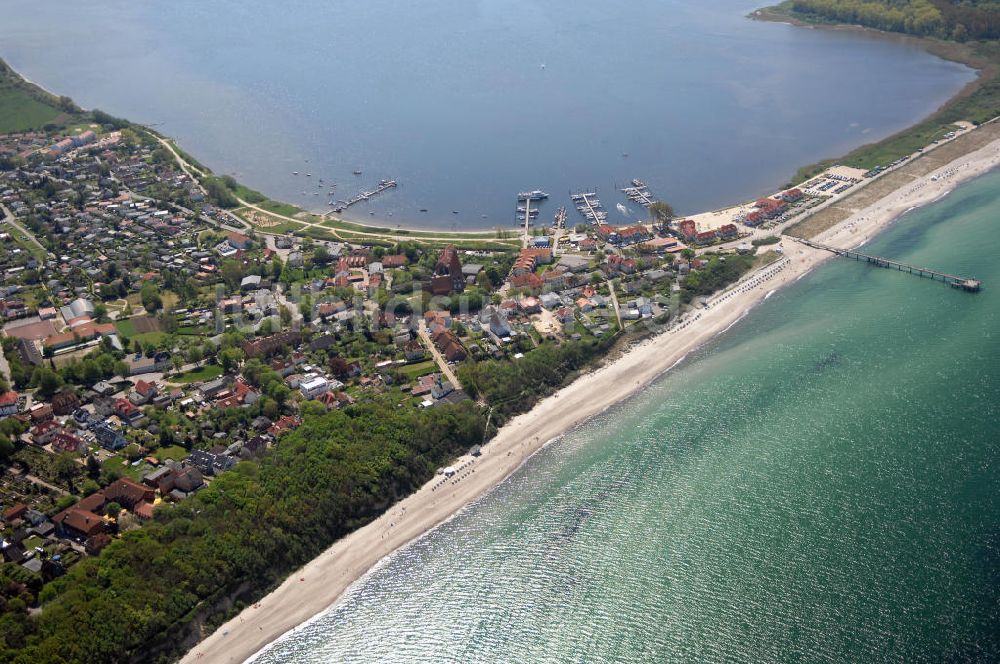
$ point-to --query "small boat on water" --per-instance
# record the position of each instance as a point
(295, 172)
(622, 209)
(423, 209)
(357, 172)
(535, 195)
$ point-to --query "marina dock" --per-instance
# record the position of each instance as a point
(965, 283)
(560, 219)
(588, 205)
(340, 206)
(639, 193)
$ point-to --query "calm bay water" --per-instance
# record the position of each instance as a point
(821, 484)
(450, 97)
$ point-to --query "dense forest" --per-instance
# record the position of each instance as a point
(245, 532)
(948, 19)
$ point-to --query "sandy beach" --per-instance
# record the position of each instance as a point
(315, 587)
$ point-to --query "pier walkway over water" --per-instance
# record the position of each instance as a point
(965, 283)
(340, 206)
(588, 205)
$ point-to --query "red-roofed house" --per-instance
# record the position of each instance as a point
(8, 403)
(144, 392)
(284, 423)
(792, 195)
(606, 232)
(529, 281)
(239, 241)
(687, 228)
(67, 442)
(43, 432)
(755, 218)
(244, 392)
(705, 237)
(728, 231)
(127, 411)
(390, 262)
(634, 234)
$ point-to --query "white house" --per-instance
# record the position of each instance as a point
(313, 386)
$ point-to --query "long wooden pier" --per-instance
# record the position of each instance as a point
(965, 283)
(363, 196)
(526, 236)
(588, 205)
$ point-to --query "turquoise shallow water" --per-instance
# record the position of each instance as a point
(818, 485)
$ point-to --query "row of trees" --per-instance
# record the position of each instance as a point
(948, 19)
(514, 387)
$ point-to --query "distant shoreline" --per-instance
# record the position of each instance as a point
(945, 50)
(320, 585)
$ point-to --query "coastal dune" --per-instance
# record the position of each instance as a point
(316, 586)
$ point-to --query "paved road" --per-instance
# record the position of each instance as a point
(441, 362)
(480, 236)
(614, 301)
(42, 483)
(195, 174)
(10, 219)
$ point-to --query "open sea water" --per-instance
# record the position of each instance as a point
(819, 484)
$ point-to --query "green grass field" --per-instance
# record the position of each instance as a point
(26, 242)
(126, 327)
(175, 452)
(207, 372)
(277, 207)
(151, 338)
(20, 112)
(418, 369)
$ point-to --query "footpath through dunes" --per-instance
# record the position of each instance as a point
(913, 169)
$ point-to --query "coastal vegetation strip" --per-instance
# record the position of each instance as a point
(826, 218)
(27, 107)
(965, 33)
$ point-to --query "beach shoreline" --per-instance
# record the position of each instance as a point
(318, 586)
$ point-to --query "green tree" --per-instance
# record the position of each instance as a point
(661, 212)
(230, 358)
(65, 467)
(232, 273)
(93, 466)
(6, 448)
(151, 300)
(46, 380)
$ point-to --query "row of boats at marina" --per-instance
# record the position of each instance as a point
(588, 204)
